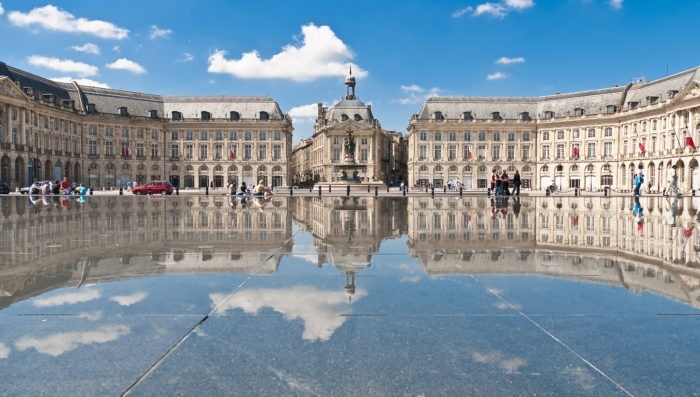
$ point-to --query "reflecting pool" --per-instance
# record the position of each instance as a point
(211, 295)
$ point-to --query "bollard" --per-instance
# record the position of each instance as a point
(329, 188)
(291, 191)
(311, 188)
(605, 192)
(432, 192)
(444, 189)
(404, 191)
(547, 192)
(347, 190)
(368, 188)
(121, 191)
(387, 188)
(206, 191)
(460, 191)
(488, 192)
(576, 193)
(693, 191)
(177, 191)
(376, 191)
(92, 190)
(319, 191)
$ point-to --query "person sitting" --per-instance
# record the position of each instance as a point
(81, 190)
(262, 190)
(244, 189)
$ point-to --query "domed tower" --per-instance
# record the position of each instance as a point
(350, 86)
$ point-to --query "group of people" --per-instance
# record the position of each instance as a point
(500, 183)
(259, 190)
(55, 187)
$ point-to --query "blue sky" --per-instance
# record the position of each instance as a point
(298, 52)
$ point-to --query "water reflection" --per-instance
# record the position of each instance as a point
(642, 243)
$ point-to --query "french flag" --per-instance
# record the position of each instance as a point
(469, 151)
(642, 148)
(126, 150)
(232, 153)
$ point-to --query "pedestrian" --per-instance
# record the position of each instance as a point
(672, 180)
(638, 180)
(516, 183)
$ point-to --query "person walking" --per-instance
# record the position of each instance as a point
(516, 183)
(638, 180)
(672, 180)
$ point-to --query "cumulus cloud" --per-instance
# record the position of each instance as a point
(320, 54)
(157, 32)
(321, 311)
(63, 65)
(87, 48)
(70, 298)
(497, 10)
(617, 4)
(2, 10)
(414, 94)
(128, 300)
(62, 342)
(128, 65)
(87, 82)
(4, 350)
(508, 61)
(304, 113)
(53, 18)
(92, 316)
(496, 76)
(117, 49)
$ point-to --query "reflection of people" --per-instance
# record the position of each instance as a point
(638, 180)
(671, 209)
(261, 202)
(244, 188)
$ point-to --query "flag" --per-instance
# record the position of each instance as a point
(126, 150)
(689, 139)
(469, 151)
(231, 153)
(641, 147)
(575, 152)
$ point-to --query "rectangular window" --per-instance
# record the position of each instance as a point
(189, 150)
(277, 152)
(203, 135)
(496, 136)
(363, 141)
(437, 152)
(154, 135)
(591, 151)
(496, 152)
(247, 152)
(218, 151)
(526, 136)
(277, 136)
(422, 152)
(335, 155)
(92, 148)
(109, 131)
(363, 155)
(248, 136)
(481, 150)
(575, 134)
(526, 153)
(511, 136)
(233, 135)
(262, 136)
(468, 136)
(545, 136)
(482, 136)
(140, 150)
(608, 131)
(262, 152)
(511, 153)
(560, 152)
(423, 136)
(453, 136)
(203, 152)
(219, 136)
(154, 150)
(125, 132)
(92, 130)
(109, 148)
(545, 152)
(175, 151)
(189, 136)
(173, 135)
(591, 133)
(452, 152)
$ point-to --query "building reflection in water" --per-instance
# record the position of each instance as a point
(649, 243)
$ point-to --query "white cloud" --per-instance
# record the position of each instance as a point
(117, 49)
(497, 10)
(4, 350)
(508, 61)
(69, 298)
(513, 365)
(53, 18)
(156, 32)
(2, 10)
(304, 113)
(92, 316)
(496, 76)
(319, 310)
(617, 4)
(186, 57)
(128, 300)
(416, 94)
(88, 82)
(63, 65)
(59, 343)
(126, 64)
(87, 48)
(321, 54)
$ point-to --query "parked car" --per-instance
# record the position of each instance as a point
(153, 187)
(4, 188)
(28, 189)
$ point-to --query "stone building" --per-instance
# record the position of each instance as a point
(349, 144)
(110, 138)
(588, 140)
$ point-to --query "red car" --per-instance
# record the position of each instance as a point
(153, 187)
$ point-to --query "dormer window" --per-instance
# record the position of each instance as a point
(68, 104)
(467, 116)
(548, 114)
(357, 117)
(632, 104)
(153, 114)
(525, 116)
(234, 116)
(264, 116)
(671, 93)
(177, 116)
(91, 108)
(651, 100)
(29, 91)
(48, 98)
(123, 111)
(344, 117)
(610, 109)
(206, 116)
(578, 112)
(438, 116)
(496, 116)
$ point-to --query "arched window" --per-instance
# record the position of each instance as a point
(277, 168)
(423, 168)
(206, 116)
(218, 168)
(527, 169)
(438, 168)
(545, 168)
(453, 168)
(176, 115)
(358, 117)
(203, 168)
(247, 168)
(155, 168)
(189, 168)
(468, 168)
(344, 117)
(173, 167)
(234, 116)
(264, 116)
(232, 168)
(262, 168)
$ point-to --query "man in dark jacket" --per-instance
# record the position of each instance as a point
(516, 184)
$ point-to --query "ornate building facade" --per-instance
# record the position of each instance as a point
(110, 138)
(588, 140)
(327, 158)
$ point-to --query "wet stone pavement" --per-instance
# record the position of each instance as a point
(336, 296)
